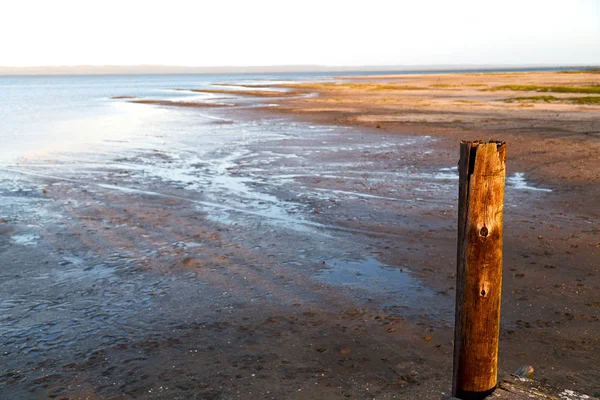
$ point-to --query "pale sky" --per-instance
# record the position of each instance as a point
(262, 32)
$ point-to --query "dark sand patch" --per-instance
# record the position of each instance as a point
(245, 85)
(255, 93)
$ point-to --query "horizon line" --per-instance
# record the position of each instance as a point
(116, 69)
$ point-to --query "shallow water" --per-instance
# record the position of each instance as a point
(371, 273)
(42, 114)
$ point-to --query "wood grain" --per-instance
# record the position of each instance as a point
(482, 169)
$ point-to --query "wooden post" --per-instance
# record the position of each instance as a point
(482, 170)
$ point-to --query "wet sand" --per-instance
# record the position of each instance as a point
(312, 256)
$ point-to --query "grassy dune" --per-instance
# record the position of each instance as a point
(548, 99)
(555, 89)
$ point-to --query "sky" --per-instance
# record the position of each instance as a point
(308, 32)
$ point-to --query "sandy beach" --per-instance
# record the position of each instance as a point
(311, 253)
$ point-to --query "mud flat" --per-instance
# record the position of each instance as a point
(295, 252)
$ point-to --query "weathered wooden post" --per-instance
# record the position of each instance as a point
(482, 169)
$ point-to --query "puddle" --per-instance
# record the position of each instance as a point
(372, 275)
(394, 285)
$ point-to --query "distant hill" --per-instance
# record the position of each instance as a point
(165, 69)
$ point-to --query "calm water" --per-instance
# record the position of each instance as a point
(40, 115)
(44, 114)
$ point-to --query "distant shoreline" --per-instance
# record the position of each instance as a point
(293, 69)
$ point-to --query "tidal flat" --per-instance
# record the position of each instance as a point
(297, 246)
